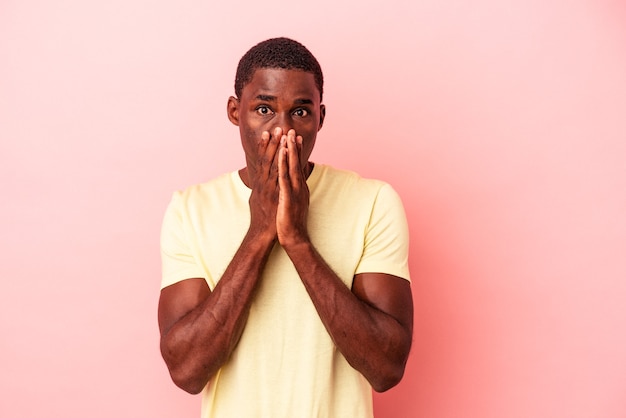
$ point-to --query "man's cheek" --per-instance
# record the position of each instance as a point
(251, 136)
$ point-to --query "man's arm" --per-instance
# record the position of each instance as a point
(199, 328)
(372, 323)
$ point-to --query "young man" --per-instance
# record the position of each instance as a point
(285, 287)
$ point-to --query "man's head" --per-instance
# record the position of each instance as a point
(278, 86)
(277, 53)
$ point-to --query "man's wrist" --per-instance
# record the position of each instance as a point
(261, 238)
(296, 247)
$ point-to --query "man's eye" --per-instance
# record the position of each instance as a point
(263, 110)
(301, 112)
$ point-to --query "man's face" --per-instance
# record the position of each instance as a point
(288, 99)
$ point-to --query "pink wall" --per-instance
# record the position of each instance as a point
(501, 124)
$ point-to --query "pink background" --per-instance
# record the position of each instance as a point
(501, 124)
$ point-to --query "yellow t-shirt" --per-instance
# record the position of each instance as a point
(285, 364)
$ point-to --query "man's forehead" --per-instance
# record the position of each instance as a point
(275, 82)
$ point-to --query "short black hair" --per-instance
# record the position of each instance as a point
(277, 53)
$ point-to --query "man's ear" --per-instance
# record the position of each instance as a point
(322, 116)
(232, 109)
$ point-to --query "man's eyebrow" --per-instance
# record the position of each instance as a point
(266, 98)
(269, 98)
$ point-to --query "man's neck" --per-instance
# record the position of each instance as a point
(244, 174)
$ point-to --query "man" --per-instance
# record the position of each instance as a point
(285, 287)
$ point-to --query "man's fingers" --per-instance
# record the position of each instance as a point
(303, 168)
(270, 144)
(274, 142)
(293, 158)
(262, 144)
(299, 142)
(283, 175)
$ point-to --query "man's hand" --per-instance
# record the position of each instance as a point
(293, 197)
(264, 184)
(200, 327)
(371, 323)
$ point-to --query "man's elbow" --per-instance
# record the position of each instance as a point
(187, 375)
(189, 383)
(391, 371)
(388, 380)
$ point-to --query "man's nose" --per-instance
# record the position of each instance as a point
(285, 122)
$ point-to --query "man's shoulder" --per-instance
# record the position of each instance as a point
(348, 180)
(210, 190)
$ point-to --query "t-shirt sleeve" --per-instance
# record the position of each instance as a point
(386, 247)
(177, 261)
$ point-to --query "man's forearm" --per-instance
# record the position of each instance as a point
(200, 342)
(372, 341)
